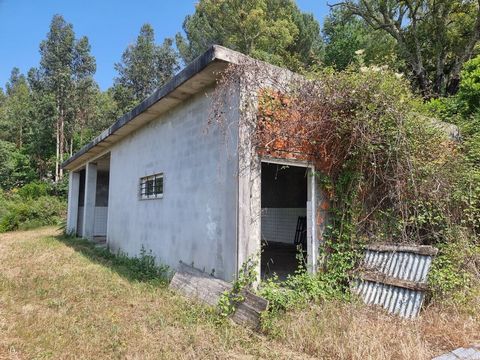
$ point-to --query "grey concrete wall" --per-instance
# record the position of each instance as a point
(195, 221)
(72, 214)
(89, 200)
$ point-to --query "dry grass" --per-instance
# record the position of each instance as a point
(58, 302)
(336, 330)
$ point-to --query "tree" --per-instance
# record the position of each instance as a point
(66, 73)
(15, 169)
(469, 90)
(56, 66)
(144, 67)
(271, 30)
(434, 37)
(15, 116)
(85, 92)
(42, 146)
(344, 34)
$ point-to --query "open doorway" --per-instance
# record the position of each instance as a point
(284, 196)
(92, 219)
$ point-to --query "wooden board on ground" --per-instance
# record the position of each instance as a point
(199, 285)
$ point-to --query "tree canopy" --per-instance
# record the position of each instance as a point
(275, 31)
(434, 37)
(144, 67)
(66, 75)
(345, 34)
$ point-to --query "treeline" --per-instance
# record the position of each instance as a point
(51, 111)
(54, 109)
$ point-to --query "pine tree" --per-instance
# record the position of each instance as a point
(144, 67)
(275, 31)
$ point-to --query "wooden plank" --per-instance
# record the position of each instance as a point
(195, 284)
(389, 280)
(248, 312)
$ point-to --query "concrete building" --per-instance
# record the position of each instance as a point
(165, 178)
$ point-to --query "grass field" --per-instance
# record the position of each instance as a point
(60, 299)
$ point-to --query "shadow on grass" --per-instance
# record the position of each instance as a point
(134, 269)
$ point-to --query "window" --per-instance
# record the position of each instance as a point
(151, 187)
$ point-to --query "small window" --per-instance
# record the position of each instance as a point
(151, 187)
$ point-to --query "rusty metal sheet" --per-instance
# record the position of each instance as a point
(399, 286)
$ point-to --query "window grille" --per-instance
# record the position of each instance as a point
(151, 187)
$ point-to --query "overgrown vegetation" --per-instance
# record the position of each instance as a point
(246, 278)
(136, 268)
(63, 296)
(33, 205)
(393, 172)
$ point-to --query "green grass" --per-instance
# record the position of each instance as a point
(63, 298)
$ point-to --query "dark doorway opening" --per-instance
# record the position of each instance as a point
(284, 212)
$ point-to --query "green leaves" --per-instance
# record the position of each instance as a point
(275, 31)
(15, 169)
(144, 67)
(433, 38)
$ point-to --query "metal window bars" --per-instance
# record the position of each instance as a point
(151, 187)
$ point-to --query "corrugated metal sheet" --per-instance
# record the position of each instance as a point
(390, 263)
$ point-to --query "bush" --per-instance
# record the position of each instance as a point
(453, 277)
(139, 268)
(33, 190)
(30, 207)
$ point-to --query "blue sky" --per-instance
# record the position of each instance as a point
(110, 26)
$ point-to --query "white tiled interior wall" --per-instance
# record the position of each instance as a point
(280, 224)
(100, 227)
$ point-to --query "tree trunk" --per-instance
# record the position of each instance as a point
(453, 85)
(20, 138)
(57, 150)
(439, 83)
(62, 144)
(421, 80)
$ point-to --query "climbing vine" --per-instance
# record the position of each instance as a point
(389, 169)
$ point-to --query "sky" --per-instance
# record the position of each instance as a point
(110, 25)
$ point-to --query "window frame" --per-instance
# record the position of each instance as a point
(145, 193)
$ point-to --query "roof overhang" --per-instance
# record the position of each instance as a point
(198, 75)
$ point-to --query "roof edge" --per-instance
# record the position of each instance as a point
(214, 52)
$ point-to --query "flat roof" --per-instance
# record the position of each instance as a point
(200, 73)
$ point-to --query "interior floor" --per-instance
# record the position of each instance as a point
(280, 259)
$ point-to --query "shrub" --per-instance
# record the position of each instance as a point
(453, 277)
(33, 190)
(139, 268)
(21, 213)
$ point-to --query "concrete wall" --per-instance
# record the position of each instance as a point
(195, 221)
